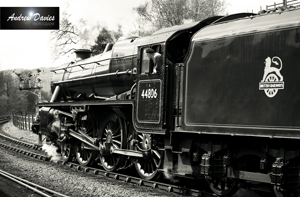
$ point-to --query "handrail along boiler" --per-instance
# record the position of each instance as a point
(223, 109)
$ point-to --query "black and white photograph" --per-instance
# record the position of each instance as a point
(158, 98)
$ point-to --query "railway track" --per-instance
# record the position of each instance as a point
(42, 191)
(117, 176)
(16, 145)
(20, 142)
(25, 152)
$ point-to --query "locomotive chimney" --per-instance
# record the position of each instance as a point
(82, 54)
(284, 3)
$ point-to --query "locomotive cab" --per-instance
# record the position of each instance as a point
(157, 94)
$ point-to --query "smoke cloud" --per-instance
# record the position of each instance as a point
(51, 151)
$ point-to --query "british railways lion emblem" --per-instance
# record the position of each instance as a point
(272, 79)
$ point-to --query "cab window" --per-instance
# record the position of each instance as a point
(145, 67)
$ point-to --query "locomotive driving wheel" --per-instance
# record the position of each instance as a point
(112, 133)
(223, 186)
(148, 165)
(84, 156)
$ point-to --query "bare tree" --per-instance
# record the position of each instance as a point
(65, 38)
(82, 35)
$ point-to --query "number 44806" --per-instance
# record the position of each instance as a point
(149, 93)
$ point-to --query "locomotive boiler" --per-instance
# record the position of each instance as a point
(225, 107)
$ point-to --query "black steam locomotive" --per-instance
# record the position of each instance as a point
(224, 108)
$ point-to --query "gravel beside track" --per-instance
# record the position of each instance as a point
(61, 178)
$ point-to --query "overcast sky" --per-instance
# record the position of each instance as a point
(31, 48)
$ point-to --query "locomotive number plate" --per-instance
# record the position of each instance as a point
(148, 101)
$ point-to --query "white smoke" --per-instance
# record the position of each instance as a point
(51, 152)
(168, 175)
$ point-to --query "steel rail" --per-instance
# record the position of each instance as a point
(20, 142)
(32, 186)
(25, 152)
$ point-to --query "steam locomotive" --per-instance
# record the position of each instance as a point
(225, 110)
